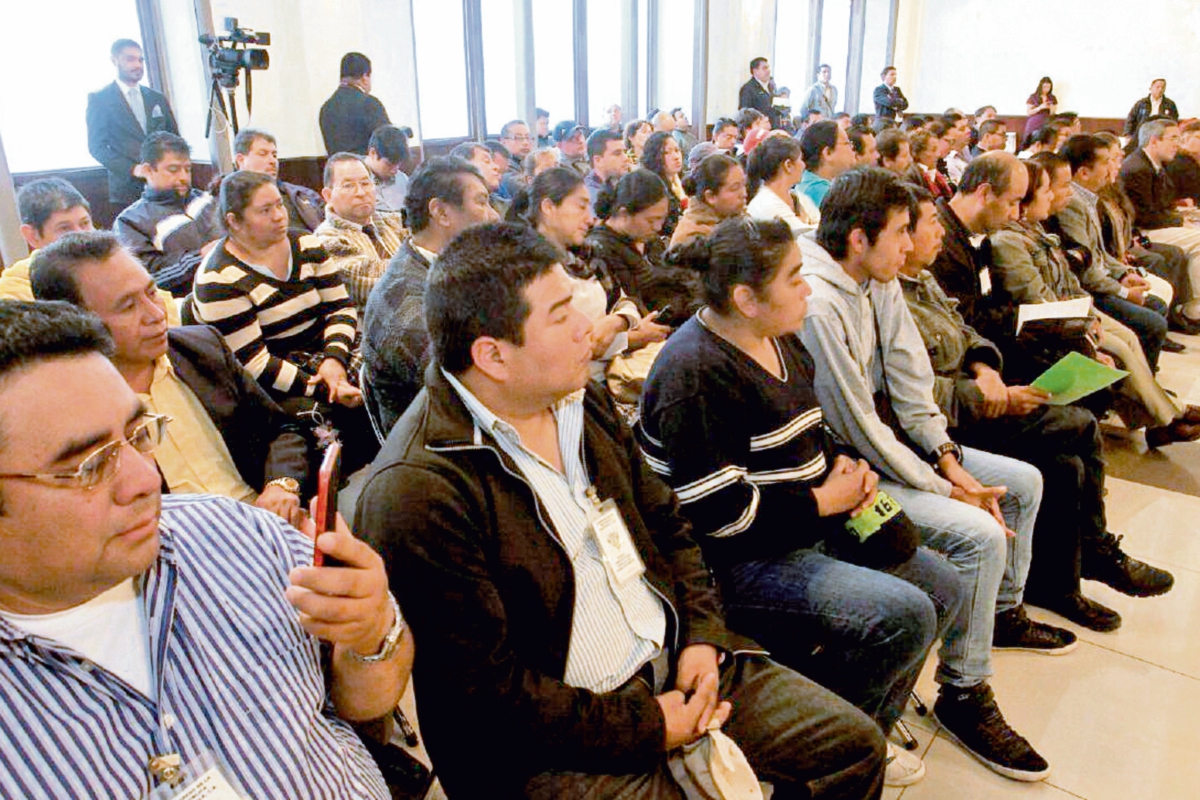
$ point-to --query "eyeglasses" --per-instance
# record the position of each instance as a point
(103, 463)
(520, 138)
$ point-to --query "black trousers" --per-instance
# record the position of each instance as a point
(1064, 443)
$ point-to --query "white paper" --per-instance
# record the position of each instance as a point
(209, 786)
(1078, 308)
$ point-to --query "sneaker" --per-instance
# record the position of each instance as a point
(973, 719)
(1082, 611)
(903, 768)
(1104, 562)
(1016, 631)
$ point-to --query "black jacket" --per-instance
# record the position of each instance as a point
(264, 443)
(1184, 172)
(958, 265)
(753, 95)
(166, 232)
(489, 591)
(115, 137)
(1141, 112)
(889, 103)
(348, 118)
(1151, 192)
(306, 208)
(646, 277)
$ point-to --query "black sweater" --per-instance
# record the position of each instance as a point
(742, 449)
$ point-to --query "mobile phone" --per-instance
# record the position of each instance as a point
(663, 314)
(328, 479)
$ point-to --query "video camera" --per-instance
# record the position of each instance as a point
(229, 52)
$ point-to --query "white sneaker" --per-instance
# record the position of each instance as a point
(903, 767)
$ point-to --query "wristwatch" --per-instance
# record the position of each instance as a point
(287, 484)
(948, 447)
(390, 642)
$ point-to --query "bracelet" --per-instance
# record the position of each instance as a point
(949, 447)
(287, 484)
(390, 642)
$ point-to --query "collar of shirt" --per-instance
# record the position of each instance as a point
(428, 255)
(341, 222)
(1087, 195)
(1153, 162)
(766, 88)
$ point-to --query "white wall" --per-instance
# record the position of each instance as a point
(308, 39)
(1101, 54)
(738, 30)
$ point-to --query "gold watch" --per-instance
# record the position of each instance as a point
(287, 484)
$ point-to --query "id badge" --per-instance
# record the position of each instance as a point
(620, 557)
(202, 778)
(868, 523)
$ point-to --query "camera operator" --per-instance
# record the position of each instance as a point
(349, 117)
(119, 117)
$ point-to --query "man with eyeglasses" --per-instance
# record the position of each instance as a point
(517, 140)
(228, 437)
(359, 238)
(144, 639)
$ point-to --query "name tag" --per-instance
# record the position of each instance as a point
(200, 779)
(620, 557)
(868, 523)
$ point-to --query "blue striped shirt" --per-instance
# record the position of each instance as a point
(233, 673)
(615, 628)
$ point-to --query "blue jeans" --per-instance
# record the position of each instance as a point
(992, 565)
(859, 632)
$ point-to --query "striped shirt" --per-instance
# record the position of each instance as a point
(234, 672)
(615, 628)
(741, 448)
(361, 254)
(265, 319)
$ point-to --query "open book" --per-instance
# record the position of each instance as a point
(1078, 308)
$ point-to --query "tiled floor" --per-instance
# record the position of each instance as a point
(1117, 718)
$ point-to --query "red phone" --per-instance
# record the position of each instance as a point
(325, 518)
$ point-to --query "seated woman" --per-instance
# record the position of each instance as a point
(716, 189)
(628, 242)
(636, 134)
(285, 313)
(558, 207)
(1061, 441)
(731, 421)
(772, 170)
(1028, 266)
(663, 157)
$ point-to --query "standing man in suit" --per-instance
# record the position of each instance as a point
(890, 102)
(351, 114)
(120, 116)
(759, 92)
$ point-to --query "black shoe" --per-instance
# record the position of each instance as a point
(1082, 611)
(1016, 631)
(1178, 431)
(972, 717)
(1105, 562)
(1169, 345)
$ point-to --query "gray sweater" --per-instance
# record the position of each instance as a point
(839, 332)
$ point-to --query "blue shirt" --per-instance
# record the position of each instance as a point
(814, 187)
(233, 673)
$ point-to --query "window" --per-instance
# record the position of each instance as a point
(790, 65)
(554, 58)
(835, 45)
(605, 55)
(500, 76)
(875, 52)
(441, 68)
(43, 99)
(676, 45)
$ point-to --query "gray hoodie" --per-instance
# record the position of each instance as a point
(839, 332)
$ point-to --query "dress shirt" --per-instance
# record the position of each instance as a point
(616, 628)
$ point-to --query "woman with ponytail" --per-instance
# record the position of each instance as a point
(732, 423)
(716, 189)
(773, 169)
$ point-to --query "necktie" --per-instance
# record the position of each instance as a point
(134, 94)
(369, 230)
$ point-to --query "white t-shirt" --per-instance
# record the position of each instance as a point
(110, 629)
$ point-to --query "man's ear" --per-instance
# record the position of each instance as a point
(30, 235)
(490, 356)
(326, 194)
(857, 242)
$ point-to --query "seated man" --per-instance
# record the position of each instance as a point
(173, 226)
(862, 140)
(257, 151)
(227, 436)
(875, 385)
(358, 238)
(1061, 441)
(595, 658)
(176, 616)
(725, 135)
(1184, 168)
(1118, 290)
(993, 135)
(958, 140)
(571, 142)
(895, 151)
(481, 156)
(515, 138)
(387, 151)
(606, 154)
(1146, 182)
(446, 196)
(827, 153)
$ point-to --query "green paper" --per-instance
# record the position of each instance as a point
(1076, 376)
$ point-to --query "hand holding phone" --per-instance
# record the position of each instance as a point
(325, 516)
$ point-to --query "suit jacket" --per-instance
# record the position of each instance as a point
(889, 103)
(348, 118)
(753, 95)
(1151, 192)
(264, 442)
(115, 137)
